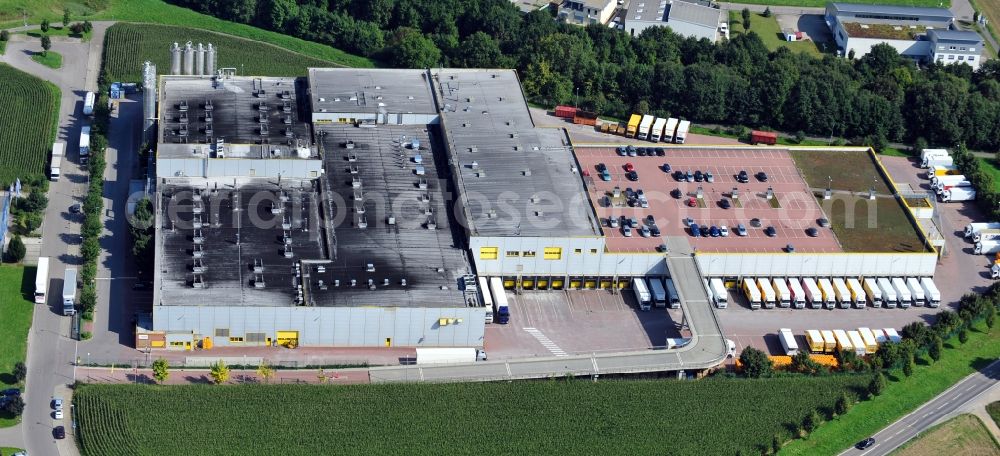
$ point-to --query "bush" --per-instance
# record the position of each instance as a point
(756, 364)
(935, 349)
(86, 335)
(88, 315)
(76, 28)
(20, 371)
(963, 336)
(15, 250)
(14, 406)
(877, 384)
(4, 35)
(909, 366)
(843, 404)
(811, 422)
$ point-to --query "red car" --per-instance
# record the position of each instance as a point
(629, 167)
(693, 202)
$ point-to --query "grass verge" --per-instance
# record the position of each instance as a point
(545, 417)
(963, 434)
(16, 284)
(50, 59)
(770, 33)
(903, 395)
(56, 31)
(994, 410)
(7, 451)
(989, 166)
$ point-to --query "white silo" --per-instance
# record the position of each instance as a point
(199, 58)
(210, 60)
(188, 58)
(175, 59)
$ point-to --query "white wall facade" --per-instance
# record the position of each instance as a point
(579, 256)
(918, 50)
(391, 118)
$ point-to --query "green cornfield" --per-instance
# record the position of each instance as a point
(127, 46)
(559, 417)
(29, 109)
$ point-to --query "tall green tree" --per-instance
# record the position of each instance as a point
(413, 50)
(755, 363)
(161, 370)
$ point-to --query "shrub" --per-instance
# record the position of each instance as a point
(963, 336)
(15, 250)
(20, 371)
(843, 404)
(908, 367)
(935, 349)
(14, 406)
(877, 384)
(161, 371)
(756, 364)
(811, 422)
(4, 35)
(86, 335)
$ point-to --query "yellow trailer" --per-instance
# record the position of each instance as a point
(815, 340)
(829, 341)
(843, 342)
(945, 170)
(868, 337)
(633, 125)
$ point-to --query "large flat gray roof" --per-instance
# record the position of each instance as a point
(694, 14)
(239, 110)
(892, 10)
(500, 158)
(357, 90)
(967, 36)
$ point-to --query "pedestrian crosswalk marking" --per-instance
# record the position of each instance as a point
(546, 342)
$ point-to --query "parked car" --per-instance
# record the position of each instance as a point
(75, 208)
(605, 176)
(743, 177)
(770, 231)
(724, 231)
(59, 432)
(823, 222)
(626, 231)
(755, 222)
(621, 151)
(629, 166)
(57, 403)
(698, 176)
(693, 202)
(612, 222)
(676, 193)
(741, 230)
(705, 231)
(689, 177)
(58, 414)
(654, 230)
(630, 151)
(666, 167)
(644, 231)
(790, 248)
(812, 232)
(641, 151)
(660, 152)
(632, 175)
(601, 167)
(724, 203)
(762, 176)
(695, 230)
(714, 231)
(709, 177)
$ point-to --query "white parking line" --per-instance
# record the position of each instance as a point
(546, 342)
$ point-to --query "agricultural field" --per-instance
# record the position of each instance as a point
(15, 284)
(963, 434)
(129, 45)
(29, 108)
(547, 417)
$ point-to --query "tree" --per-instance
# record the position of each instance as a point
(909, 366)
(755, 363)
(45, 26)
(990, 319)
(4, 35)
(811, 422)
(935, 349)
(265, 371)
(745, 14)
(850, 54)
(87, 26)
(963, 336)
(276, 14)
(90, 248)
(842, 405)
(15, 250)
(804, 363)
(20, 371)
(35, 202)
(46, 44)
(220, 372)
(767, 12)
(66, 17)
(480, 50)
(161, 371)
(14, 405)
(775, 444)
(414, 50)
(800, 136)
(877, 384)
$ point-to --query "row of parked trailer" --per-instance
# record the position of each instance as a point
(839, 292)
(863, 341)
(657, 129)
(946, 180)
(654, 291)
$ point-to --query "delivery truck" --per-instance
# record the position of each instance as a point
(798, 294)
(892, 335)
(879, 336)
(916, 291)
(69, 292)
(84, 144)
(813, 293)
(449, 355)
(939, 160)
(88, 103)
(788, 341)
(815, 340)
(902, 292)
(971, 228)
(55, 166)
(633, 125)
(783, 293)
(484, 288)
(829, 295)
(719, 293)
(644, 126)
(889, 296)
(842, 293)
(670, 129)
(943, 170)
(642, 296)
(927, 154)
(858, 297)
(986, 248)
(767, 291)
(958, 194)
(673, 298)
(682, 131)
(659, 294)
(843, 341)
(42, 279)
(829, 341)
(871, 346)
(656, 133)
(944, 182)
(931, 292)
(873, 291)
(857, 342)
(752, 293)
(986, 235)
(501, 308)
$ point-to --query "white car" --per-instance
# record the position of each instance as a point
(58, 414)
(723, 231)
(57, 403)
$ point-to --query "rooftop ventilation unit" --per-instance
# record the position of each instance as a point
(197, 251)
(258, 266)
(198, 281)
(370, 267)
(209, 107)
(198, 266)
(422, 184)
(182, 106)
(362, 222)
(286, 95)
(288, 251)
(287, 120)
(402, 282)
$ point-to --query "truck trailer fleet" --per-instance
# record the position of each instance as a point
(798, 294)
(958, 194)
(986, 248)
(971, 228)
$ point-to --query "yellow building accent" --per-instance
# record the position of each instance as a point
(206, 343)
(157, 343)
(553, 253)
(288, 339)
(488, 253)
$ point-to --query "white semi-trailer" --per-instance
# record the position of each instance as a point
(670, 129)
(788, 341)
(658, 292)
(644, 126)
(798, 294)
(642, 295)
(682, 131)
(842, 293)
(69, 292)
(449, 355)
(484, 288)
(813, 293)
(986, 248)
(931, 292)
(902, 291)
(42, 280)
(719, 293)
(916, 291)
(958, 194)
(971, 228)
(784, 294)
(926, 154)
(657, 131)
(889, 296)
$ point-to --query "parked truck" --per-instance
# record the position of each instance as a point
(752, 293)
(719, 293)
(633, 125)
(842, 293)
(659, 294)
(889, 296)
(783, 293)
(957, 194)
(788, 341)
(943, 183)
(813, 293)
(644, 126)
(871, 345)
(42, 280)
(84, 144)
(88, 103)
(673, 298)
(916, 291)
(971, 228)
(798, 294)
(767, 291)
(682, 131)
(857, 342)
(858, 297)
(892, 335)
(943, 170)
(501, 308)
(58, 153)
(926, 154)
(985, 235)
(987, 248)
(829, 341)
(484, 288)
(843, 342)
(873, 291)
(931, 292)
(670, 130)
(642, 296)
(815, 340)
(902, 291)
(657, 132)
(449, 355)
(829, 295)
(939, 160)
(69, 292)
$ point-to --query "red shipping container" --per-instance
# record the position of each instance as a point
(565, 111)
(763, 137)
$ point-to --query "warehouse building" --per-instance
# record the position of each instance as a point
(922, 34)
(686, 18)
(586, 12)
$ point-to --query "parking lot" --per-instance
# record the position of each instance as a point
(671, 199)
(557, 323)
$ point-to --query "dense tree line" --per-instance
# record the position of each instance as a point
(878, 98)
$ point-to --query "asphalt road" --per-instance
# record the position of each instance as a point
(930, 413)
